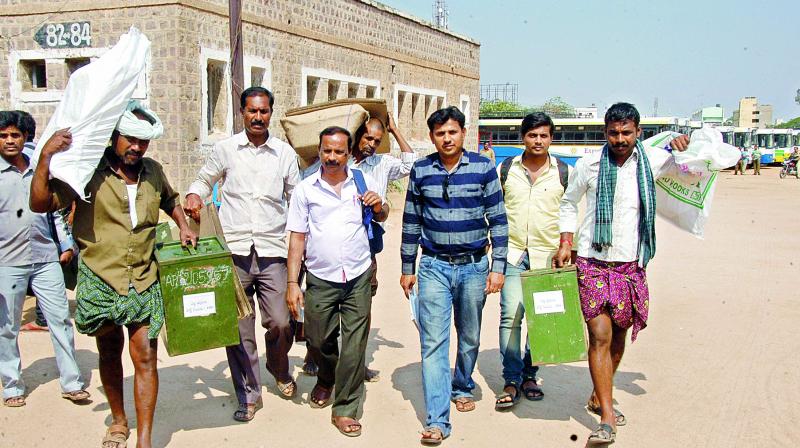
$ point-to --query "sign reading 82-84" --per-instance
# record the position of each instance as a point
(64, 35)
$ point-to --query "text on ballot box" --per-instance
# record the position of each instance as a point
(556, 330)
(199, 296)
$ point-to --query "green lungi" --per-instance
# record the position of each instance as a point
(100, 304)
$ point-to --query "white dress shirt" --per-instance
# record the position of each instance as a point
(337, 248)
(625, 226)
(258, 183)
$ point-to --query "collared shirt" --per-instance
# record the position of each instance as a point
(383, 168)
(25, 236)
(258, 183)
(337, 248)
(463, 224)
(117, 253)
(625, 226)
(532, 210)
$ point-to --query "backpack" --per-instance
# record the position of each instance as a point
(563, 172)
(374, 230)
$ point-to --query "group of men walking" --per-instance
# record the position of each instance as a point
(478, 226)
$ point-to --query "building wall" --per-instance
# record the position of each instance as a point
(306, 51)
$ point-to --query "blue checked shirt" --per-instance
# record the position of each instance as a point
(463, 224)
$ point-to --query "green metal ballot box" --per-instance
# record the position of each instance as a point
(199, 296)
(556, 330)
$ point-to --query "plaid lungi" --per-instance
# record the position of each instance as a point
(99, 304)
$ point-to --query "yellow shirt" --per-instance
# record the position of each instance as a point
(532, 211)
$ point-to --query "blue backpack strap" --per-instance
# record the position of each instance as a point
(361, 186)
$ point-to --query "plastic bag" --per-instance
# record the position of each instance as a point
(684, 195)
(95, 98)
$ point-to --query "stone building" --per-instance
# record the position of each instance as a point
(305, 51)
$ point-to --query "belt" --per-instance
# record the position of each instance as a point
(474, 257)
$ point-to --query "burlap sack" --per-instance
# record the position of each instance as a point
(302, 125)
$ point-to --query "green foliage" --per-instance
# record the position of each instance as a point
(496, 107)
(556, 107)
(794, 123)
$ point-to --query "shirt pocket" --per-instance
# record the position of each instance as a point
(149, 198)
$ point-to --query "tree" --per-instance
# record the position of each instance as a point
(794, 123)
(557, 107)
(497, 107)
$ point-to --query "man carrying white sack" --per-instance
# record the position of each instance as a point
(617, 240)
(118, 278)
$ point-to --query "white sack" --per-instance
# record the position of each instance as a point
(684, 195)
(95, 98)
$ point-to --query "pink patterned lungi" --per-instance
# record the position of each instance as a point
(619, 288)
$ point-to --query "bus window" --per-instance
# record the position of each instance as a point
(558, 136)
(780, 141)
(580, 137)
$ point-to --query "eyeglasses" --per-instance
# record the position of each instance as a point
(445, 185)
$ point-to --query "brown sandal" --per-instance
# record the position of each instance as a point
(319, 397)
(14, 402)
(434, 436)
(347, 428)
(116, 435)
(288, 390)
(76, 396)
(465, 404)
(245, 412)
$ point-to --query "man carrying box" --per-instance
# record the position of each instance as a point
(118, 277)
(533, 184)
(617, 240)
(260, 173)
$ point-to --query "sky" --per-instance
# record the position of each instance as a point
(688, 54)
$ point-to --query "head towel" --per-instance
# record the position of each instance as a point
(132, 126)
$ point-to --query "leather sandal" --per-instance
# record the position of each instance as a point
(319, 397)
(347, 428)
(116, 437)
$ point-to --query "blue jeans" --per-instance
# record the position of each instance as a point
(47, 282)
(516, 369)
(444, 289)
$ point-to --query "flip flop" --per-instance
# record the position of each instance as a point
(288, 390)
(619, 417)
(464, 404)
(118, 435)
(603, 435)
(498, 405)
(319, 397)
(245, 412)
(14, 402)
(353, 422)
(76, 396)
(534, 392)
(435, 438)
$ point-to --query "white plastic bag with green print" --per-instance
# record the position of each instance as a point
(684, 195)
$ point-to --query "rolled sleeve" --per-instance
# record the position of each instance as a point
(169, 197)
(209, 174)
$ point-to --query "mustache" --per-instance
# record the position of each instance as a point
(331, 163)
(256, 123)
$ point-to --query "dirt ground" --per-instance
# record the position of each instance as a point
(716, 367)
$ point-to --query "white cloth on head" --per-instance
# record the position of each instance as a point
(95, 97)
(132, 126)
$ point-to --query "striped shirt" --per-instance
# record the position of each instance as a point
(462, 225)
